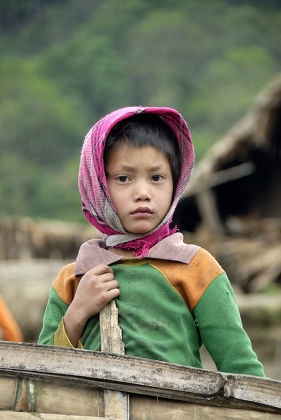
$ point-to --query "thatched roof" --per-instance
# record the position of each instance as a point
(243, 169)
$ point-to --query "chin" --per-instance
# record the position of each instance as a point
(140, 230)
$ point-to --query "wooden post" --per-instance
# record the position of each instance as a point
(116, 403)
(207, 206)
(205, 196)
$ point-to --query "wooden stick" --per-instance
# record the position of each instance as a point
(111, 333)
(116, 403)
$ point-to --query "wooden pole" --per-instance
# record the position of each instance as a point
(205, 196)
(116, 403)
(207, 206)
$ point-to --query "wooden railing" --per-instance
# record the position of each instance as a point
(61, 381)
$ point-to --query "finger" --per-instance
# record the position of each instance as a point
(104, 278)
(101, 269)
(112, 285)
(112, 294)
(106, 296)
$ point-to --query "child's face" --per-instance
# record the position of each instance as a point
(140, 184)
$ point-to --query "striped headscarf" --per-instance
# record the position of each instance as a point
(97, 204)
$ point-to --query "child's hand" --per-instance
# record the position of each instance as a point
(96, 288)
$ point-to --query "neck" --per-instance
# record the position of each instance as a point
(123, 252)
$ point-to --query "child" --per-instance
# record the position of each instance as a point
(171, 297)
(9, 329)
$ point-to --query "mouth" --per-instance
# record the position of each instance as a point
(142, 211)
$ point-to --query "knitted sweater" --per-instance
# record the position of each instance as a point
(167, 308)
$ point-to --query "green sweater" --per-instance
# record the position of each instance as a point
(167, 309)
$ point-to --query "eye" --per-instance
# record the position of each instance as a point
(122, 179)
(157, 178)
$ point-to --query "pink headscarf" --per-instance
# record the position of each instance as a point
(97, 204)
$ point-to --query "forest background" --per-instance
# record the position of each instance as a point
(64, 64)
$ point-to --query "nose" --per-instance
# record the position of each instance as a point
(142, 191)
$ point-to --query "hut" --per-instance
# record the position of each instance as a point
(232, 205)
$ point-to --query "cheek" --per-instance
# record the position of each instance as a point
(165, 200)
(118, 198)
(112, 192)
(169, 195)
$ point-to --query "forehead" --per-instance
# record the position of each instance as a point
(125, 154)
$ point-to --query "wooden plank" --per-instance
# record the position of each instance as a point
(139, 376)
(124, 372)
(151, 408)
(64, 397)
(8, 389)
(61, 395)
(116, 403)
(244, 388)
(13, 415)
(52, 394)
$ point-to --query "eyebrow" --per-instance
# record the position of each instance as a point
(132, 168)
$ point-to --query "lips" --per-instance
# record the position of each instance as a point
(142, 211)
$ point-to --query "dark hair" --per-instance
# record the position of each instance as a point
(146, 130)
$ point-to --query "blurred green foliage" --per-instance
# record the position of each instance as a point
(64, 64)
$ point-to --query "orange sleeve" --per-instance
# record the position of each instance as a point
(8, 325)
(66, 283)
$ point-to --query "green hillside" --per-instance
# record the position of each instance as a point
(66, 63)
